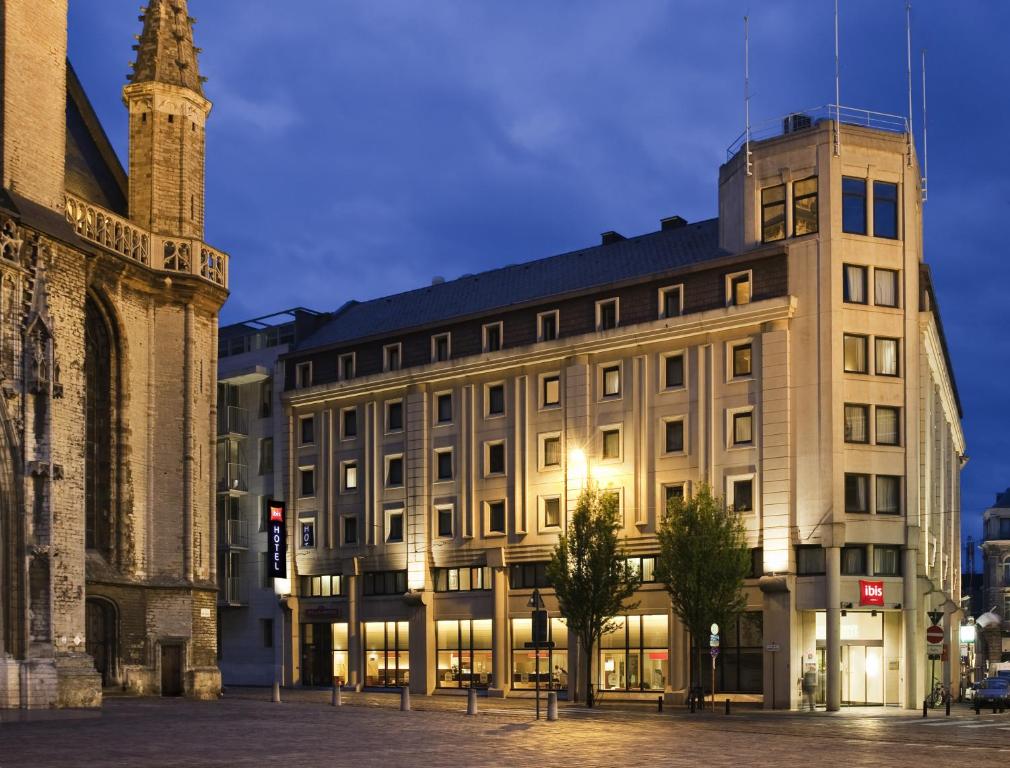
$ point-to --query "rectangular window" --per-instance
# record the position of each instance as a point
(885, 287)
(854, 284)
(496, 459)
(394, 471)
(266, 463)
(496, 400)
(308, 535)
(773, 213)
(742, 361)
(528, 576)
(307, 482)
(443, 405)
(886, 356)
(307, 430)
(349, 417)
(444, 464)
(496, 516)
(463, 580)
(350, 530)
(394, 526)
(391, 354)
(440, 348)
(444, 521)
(885, 209)
(552, 512)
(854, 351)
(303, 375)
(738, 289)
(853, 561)
(857, 423)
(552, 390)
(552, 451)
(743, 495)
(612, 381)
(672, 493)
(351, 476)
(857, 493)
(888, 421)
(743, 428)
(888, 495)
(674, 436)
(492, 337)
(606, 314)
(548, 325)
(611, 444)
(809, 560)
(394, 416)
(385, 583)
(886, 561)
(671, 301)
(266, 398)
(805, 207)
(345, 365)
(673, 371)
(853, 205)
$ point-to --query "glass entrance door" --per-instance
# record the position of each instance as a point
(862, 674)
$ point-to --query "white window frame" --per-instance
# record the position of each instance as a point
(731, 347)
(731, 413)
(439, 508)
(387, 459)
(385, 414)
(620, 443)
(556, 314)
(398, 346)
(488, 533)
(616, 301)
(387, 516)
(487, 458)
(542, 439)
(343, 531)
(487, 400)
(315, 533)
(303, 375)
(343, 436)
(315, 489)
(729, 493)
(541, 392)
(663, 357)
(660, 299)
(301, 420)
(501, 336)
(601, 379)
(662, 436)
(448, 346)
(342, 365)
(749, 274)
(434, 408)
(542, 525)
(452, 468)
(344, 465)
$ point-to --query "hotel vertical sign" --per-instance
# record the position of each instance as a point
(278, 540)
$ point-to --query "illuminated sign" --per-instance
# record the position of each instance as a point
(278, 541)
(871, 592)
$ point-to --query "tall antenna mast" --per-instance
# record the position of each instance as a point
(838, 102)
(746, 93)
(908, 47)
(925, 144)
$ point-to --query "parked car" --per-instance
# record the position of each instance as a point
(993, 690)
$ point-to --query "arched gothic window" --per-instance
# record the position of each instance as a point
(98, 371)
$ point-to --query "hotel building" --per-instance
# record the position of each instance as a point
(788, 353)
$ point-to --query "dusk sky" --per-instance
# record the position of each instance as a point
(360, 148)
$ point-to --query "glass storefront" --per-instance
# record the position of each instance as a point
(464, 653)
(635, 656)
(739, 664)
(324, 653)
(553, 663)
(387, 661)
(865, 673)
(340, 651)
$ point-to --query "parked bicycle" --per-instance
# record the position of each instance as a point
(938, 696)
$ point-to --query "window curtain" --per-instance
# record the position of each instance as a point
(885, 287)
(854, 284)
(855, 424)
(887, 494)
(887, 426)
(887, 357)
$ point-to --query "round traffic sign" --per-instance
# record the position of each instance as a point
(934, 635)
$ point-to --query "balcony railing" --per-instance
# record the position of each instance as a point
(233, 478)
(233, 534)
(169, 254)
(233, 591)
(232, 421)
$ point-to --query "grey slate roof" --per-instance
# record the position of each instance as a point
(598, 266)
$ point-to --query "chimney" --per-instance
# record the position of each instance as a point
(672, 222)
(610, 237)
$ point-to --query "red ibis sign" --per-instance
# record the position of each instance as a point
(871, 592)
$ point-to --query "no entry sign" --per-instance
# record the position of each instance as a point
(934, 635)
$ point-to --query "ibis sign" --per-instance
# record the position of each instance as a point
(278, 541)
(871, 592)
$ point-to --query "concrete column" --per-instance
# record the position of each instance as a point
(355, 655)
(832, 580)
(501, 668)
(910, 606)
(422, 645)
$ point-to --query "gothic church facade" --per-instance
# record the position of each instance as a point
(109, 299)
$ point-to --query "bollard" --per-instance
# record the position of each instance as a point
(336, 699)
(978, 706)
(925, 705)
(405, 699)
(471, 701)
(948, 706)
(552, 706)
(727, 706)
(659, 703)
(277, 693)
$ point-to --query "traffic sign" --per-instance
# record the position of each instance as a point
(934, 635)
(713, 640)
(934, 617)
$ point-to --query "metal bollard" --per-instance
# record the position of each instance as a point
(727, 706)
(690, 698)
(405, 699)
(925, 705)
(659, 704)
(471, 701)
(978, 706)
(277, 693)
(948, 706)
(336, 699)
(552, 706)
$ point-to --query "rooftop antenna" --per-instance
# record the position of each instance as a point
(925, 144)
(908, 48)
(746, 93)
(838, 109)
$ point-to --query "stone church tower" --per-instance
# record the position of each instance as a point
(108, 323)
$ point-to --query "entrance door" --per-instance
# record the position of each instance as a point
(100, 632)
(862, 674)
(171, 670)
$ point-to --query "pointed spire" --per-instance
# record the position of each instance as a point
(165, 50)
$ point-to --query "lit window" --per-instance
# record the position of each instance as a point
(742, 361)
(857, 423)
(888, 419)
(351, 476)
(885, 287)
(854, 284)
(853, 205)
(805, 207)
(738, 289)
(773, 213)
(885, 209)
(552, 390)
(886, 356)
(743, 428)
(612, 381)
(552, 451)
(854, 349)
(552, 512)
(611, 443)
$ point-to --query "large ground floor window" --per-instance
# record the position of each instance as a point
(738, 666)
(387, 653)
(464, 653)
(635, 656)
(553, 663)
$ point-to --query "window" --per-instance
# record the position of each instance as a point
(743, 428)
(857, 493)
(854, 351)
(606, 314)
(547, 325)
(346, 366)
(394, 471)
(1006, 574)
(385, 583)
(394, 525)
(757, 562)
(553, 664)
(738, 289)
(266, 462)
(443, 407)
(742, 361)
(463, 580)
(672, 493)
(327, 585)
(444, 464)
(264, 512)
(888, 420)
(266, 398)
(854, 284)
(612, 381)
(552, 512)
(391, 357)
(303, 375)
(496, 516)
(857, 423)
(350, 475)
(671, 301)
(349, 417)
(809, 560)
(552, 451)
(674, 436)
(496, 400)
(394, 416)
(885, 287)
(805, 207)
(551, 391)
(673, 371)
(307, 482)
(267, 632)
(743, 495)
(493, 337)
(773, 213)
(634, 656)
(495, 458)
(885, 209)
(528, 576)
(308, 534)
(886, 356)
(853, 205)
(886, 561)
(888, 495)
(853, 561)
(644, 567)
(307, 431)
(1004, 527)
(350, 530)
(440, 348)
(611, 444)
(443, 519)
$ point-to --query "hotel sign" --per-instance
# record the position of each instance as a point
(278, 541)
(871, 593)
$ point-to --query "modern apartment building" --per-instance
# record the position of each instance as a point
(994, 642)
(788, 353)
